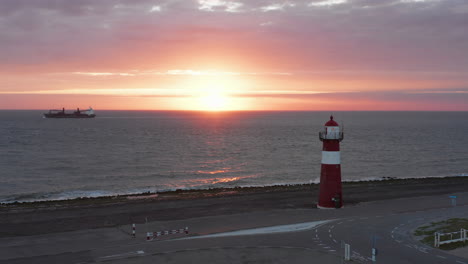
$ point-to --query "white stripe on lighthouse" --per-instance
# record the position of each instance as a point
(331, 157)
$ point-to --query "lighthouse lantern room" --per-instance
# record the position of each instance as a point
(330, 194)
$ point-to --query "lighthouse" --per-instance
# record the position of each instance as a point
(330, 194)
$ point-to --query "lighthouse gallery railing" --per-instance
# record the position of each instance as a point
(331, 135)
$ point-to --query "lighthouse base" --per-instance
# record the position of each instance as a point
(323, 207)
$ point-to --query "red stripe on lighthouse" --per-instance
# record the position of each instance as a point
(330, 195)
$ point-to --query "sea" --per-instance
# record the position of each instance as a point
(131, 152)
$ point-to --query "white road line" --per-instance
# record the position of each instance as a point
(326, 247)
(423, 251)
(331, 227)
(264, 230)
(335, 241)
(461, 262)
(339, 223)
(316, 235)
(329, 230)
(139, 252)
(331, 250)
(330, 236)
(442, 257)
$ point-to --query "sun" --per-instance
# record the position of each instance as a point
(213, 93)
(214, 102)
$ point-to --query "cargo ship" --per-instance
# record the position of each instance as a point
(89, 113)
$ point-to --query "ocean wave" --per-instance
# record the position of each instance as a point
(201, 184)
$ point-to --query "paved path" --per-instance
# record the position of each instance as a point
(392, 221)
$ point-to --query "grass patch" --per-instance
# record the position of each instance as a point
(426, 233)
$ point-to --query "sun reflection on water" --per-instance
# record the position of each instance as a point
(216, 180)
(213, 172)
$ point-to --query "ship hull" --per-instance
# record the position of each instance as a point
(68, 116)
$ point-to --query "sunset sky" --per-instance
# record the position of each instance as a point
(234, 55)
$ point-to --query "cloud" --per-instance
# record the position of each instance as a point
(328, 3)
(178, 72)
(385, 34)
(327, 44)
(214, 5)
(111, 92)
(155, 8)
(104, 73)
(277, 6)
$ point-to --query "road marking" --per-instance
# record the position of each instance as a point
(331, 227)
(316, 235)
(339, 223)
(442, 257)
(331, 250)
(326, 247)
(330, 236)
(139, 252)
(461, 262)
(264, 230)
(423, 251)
(362, 218)
(335, 241)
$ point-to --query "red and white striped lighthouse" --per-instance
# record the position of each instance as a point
(330, 195)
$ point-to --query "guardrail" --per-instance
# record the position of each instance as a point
(440, 238)
(151, 235)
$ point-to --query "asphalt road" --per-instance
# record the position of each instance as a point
(390, 221)
(391, 234)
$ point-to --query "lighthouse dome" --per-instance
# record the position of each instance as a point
(331, 122)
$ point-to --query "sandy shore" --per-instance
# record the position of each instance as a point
(50, 217)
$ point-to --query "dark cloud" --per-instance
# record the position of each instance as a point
(356, 35)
